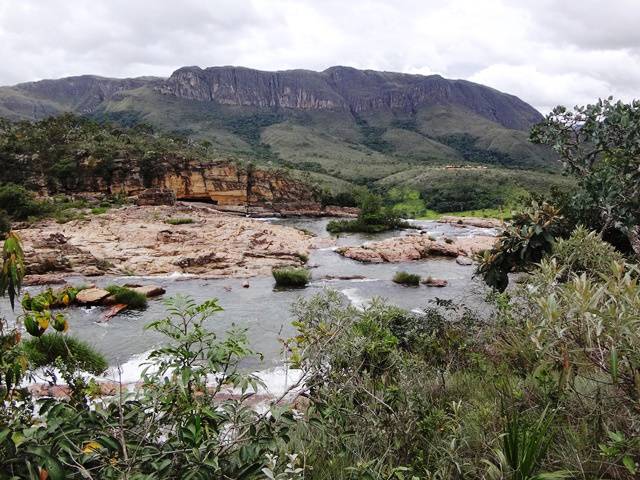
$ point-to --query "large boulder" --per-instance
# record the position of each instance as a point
(150, 290)
(91, 296)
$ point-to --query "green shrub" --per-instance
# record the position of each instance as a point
(524, 242)
(74, 353)
(179, 221)
(373, 217)
(291, 277)
(406, 278)
(585, 252)
(20, 203)
(132, 299)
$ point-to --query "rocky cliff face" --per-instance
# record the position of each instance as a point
(343, 88)
(223, 183)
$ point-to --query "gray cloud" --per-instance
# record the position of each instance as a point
(547, 52)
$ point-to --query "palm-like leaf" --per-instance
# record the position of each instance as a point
(12, 267)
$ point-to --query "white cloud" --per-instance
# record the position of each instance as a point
(545, 51)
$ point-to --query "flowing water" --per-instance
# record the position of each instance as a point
(260, 309)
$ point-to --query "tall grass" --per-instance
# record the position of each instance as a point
(132, 299)
(291, 277)
(45, 350)
(406, 278)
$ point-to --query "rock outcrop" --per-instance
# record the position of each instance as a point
(345, 88)
(415, 247)
(138, 240)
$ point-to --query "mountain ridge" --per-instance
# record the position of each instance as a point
(339, 127)
(335, 87)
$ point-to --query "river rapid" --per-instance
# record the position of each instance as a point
(263, 311)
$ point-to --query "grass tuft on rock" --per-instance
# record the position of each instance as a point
(74, 353)
(292, 277)
(406, 278)
(180, 221)
(132, 299)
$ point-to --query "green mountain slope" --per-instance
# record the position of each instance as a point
(340, 125)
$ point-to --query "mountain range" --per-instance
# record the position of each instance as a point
(341, 126)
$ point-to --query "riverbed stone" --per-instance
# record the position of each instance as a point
(463, 260)
(435, 282)
(150, 290)
(90, 296)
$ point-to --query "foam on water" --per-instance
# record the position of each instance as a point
(355, 298)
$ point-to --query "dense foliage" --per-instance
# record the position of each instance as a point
(373, 217)
(545, 385)
(525, 240)
(600, 145)
(71, 153)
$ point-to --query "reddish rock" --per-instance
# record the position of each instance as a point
(115, 310)
(415, 247)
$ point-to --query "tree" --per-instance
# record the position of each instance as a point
(600, 144)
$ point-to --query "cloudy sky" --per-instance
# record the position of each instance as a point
(547, 52)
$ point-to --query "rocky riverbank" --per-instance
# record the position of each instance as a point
(417, 246)
(138, 240)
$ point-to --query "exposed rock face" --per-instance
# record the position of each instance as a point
(51, 252)
(415, 247)
(138, 240)
(345, 88)
(221, 182)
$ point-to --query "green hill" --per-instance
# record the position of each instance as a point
(343, 126)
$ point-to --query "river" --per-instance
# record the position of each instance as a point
(263, 311)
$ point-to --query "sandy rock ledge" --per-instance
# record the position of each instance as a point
(138, 240)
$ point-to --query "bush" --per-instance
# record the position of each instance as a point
(585, 252)
(291, 277)
(20, 203)
(524, 242)
(179, 221)
(132, 299)
(405, 278)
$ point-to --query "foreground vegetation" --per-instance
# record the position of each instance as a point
(389, 393)
(541, 383)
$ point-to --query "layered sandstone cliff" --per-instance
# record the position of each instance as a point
(224, 183)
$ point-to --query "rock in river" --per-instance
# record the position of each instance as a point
(91, 296)
(435, 282)
(415, 247)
